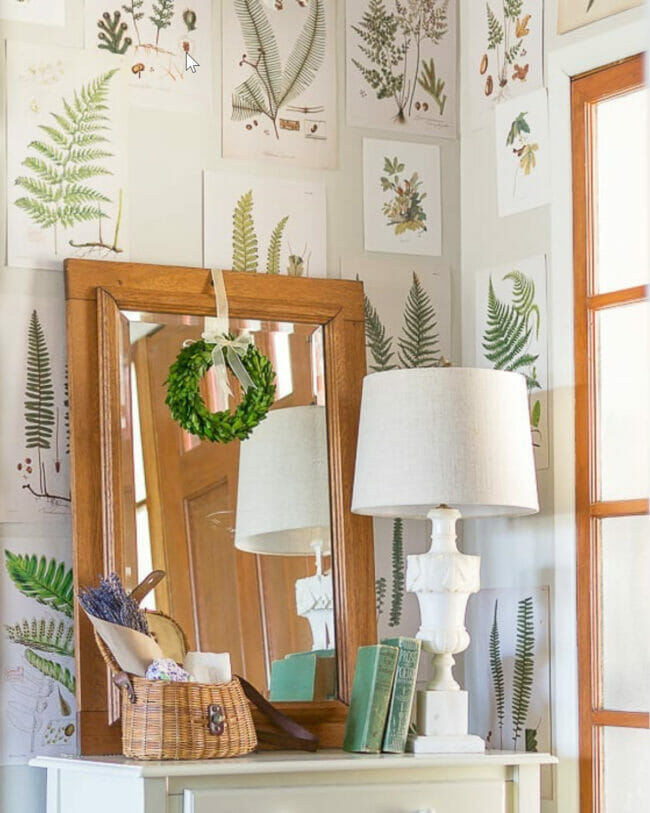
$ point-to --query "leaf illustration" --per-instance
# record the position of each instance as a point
(522, 679)
(496, 667)
(507, 336)
(52, 669)
(398, 573)
(244, 239)
(380, 594)
(275, 247)
(527, 160)
(379, 344)
(307, 54)
(536, 414)
(111, 33)
(495, 29)
(261, 46)
(518, 126)
(163, 12)
(512, 8)
(418, 345)
(434, 86)
(523, 298)
(49, 583)
(45, 635)
(39, 389)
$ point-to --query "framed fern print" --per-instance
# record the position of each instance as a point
(401, 197)
(512, 334)
(34, 448)
(504, 54)
(152, 38)
(67, 136)
(264, 225)
(575, 13)
(41, 12)
(279, 81)
(37, 699)
(523, 153)
(401, 65)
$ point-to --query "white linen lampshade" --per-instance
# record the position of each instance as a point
(283, 505)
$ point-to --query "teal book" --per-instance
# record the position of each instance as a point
(371, 690)
(401, 701)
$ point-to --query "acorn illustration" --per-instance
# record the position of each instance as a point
(189, 18)
(489, 85)
(484, 64)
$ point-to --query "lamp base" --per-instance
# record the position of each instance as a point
(442, 722)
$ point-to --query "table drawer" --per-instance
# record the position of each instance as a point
(432, 797)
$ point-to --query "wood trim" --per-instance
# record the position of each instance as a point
(94, 290)
(623, 719)
(586, 91)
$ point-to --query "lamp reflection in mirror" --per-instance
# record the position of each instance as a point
(283, 505)
(440, 443)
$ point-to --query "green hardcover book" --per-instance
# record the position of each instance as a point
(401, 701)
(371, 689)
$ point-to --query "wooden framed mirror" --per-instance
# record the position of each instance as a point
(125, 322)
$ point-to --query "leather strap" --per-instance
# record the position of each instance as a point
(293, 734)
(147, 585)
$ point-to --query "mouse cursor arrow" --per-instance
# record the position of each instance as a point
(190, 63)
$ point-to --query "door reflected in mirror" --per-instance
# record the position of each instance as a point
(242, 529)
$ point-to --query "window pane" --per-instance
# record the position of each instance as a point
(625, 613)
(622, 402)
(145, 563)
(625, 769)
(621, 163)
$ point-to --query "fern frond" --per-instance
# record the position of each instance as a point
(506, 337)
(523, 297)
(522, 678)
(244, 239)
(512, 8)
(44, 635)
(248, 100)
(39, 389)
(261, 45)
(52, 670)
(397, 599)
(275, 247)
(307, 54)
(496, 667)
(379, 344)
(380, 594)
(418, 345)
(495, 29)
(41, 214)
(48, 583)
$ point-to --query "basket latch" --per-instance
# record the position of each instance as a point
(123, 681)
(216, 719)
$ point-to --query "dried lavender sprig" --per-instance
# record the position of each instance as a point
(111, 602)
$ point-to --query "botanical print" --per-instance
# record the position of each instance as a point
(66, 176)
(507, 670)
(401, 65)
(34, 457)
(37, 685)
(574, 13)
(511, 334)
(279, 81)
(154, 37)
(505, 53)
(522, 144)
(401, 192)
(264, 225)
(42, 12)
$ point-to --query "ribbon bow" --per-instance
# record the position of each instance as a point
(226, 351)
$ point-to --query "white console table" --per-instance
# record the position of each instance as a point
(498, 782)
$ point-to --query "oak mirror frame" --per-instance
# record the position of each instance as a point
(95, 292)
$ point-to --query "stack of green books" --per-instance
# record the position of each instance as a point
(382, 696)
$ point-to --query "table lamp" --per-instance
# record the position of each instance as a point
(283, 505)
(439, 443)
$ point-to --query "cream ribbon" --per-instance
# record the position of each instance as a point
(226, 351)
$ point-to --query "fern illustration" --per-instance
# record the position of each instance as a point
(397, 599)
(111, 33)
(432, 84)
(495, 29)
(39, 395)
(48, 583)
(496, 667)
(419, 345)
(51, 669)
(134, 10)
(523, 298)
(380, 594)
(44, 635)
(275, 247)
(269, 87)
(379, 344)
(522, 678)
(65, 160)
(244, 239)
(163, 11)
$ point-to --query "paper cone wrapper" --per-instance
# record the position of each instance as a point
(134, 651)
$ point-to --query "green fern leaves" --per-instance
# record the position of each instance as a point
(49, 583)
(379, 344)
(66, 158)
(244, 239)
(418, 345)
(380, 594)
(496, 667)
(522, 680)
(51, 669)
(398, 573)
(39, 389)
(275, 247)
(307, 55)
(44, 635)
(495, 29)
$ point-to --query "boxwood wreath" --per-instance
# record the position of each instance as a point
(188, 407)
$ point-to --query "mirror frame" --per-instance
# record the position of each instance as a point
(93, 289)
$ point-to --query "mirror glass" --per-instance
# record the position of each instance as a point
(241, 529)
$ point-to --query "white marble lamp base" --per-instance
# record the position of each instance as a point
(442, 722)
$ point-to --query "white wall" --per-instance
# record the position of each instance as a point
(167, 153)
(540, 550)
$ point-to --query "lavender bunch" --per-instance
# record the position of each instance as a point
(111, 602)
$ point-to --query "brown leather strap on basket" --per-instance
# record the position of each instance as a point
(293, 735)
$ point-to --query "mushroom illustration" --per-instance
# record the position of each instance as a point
(137, 68)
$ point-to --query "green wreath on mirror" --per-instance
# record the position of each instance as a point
(188, 407)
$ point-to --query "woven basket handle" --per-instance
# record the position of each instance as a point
(293, 736)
